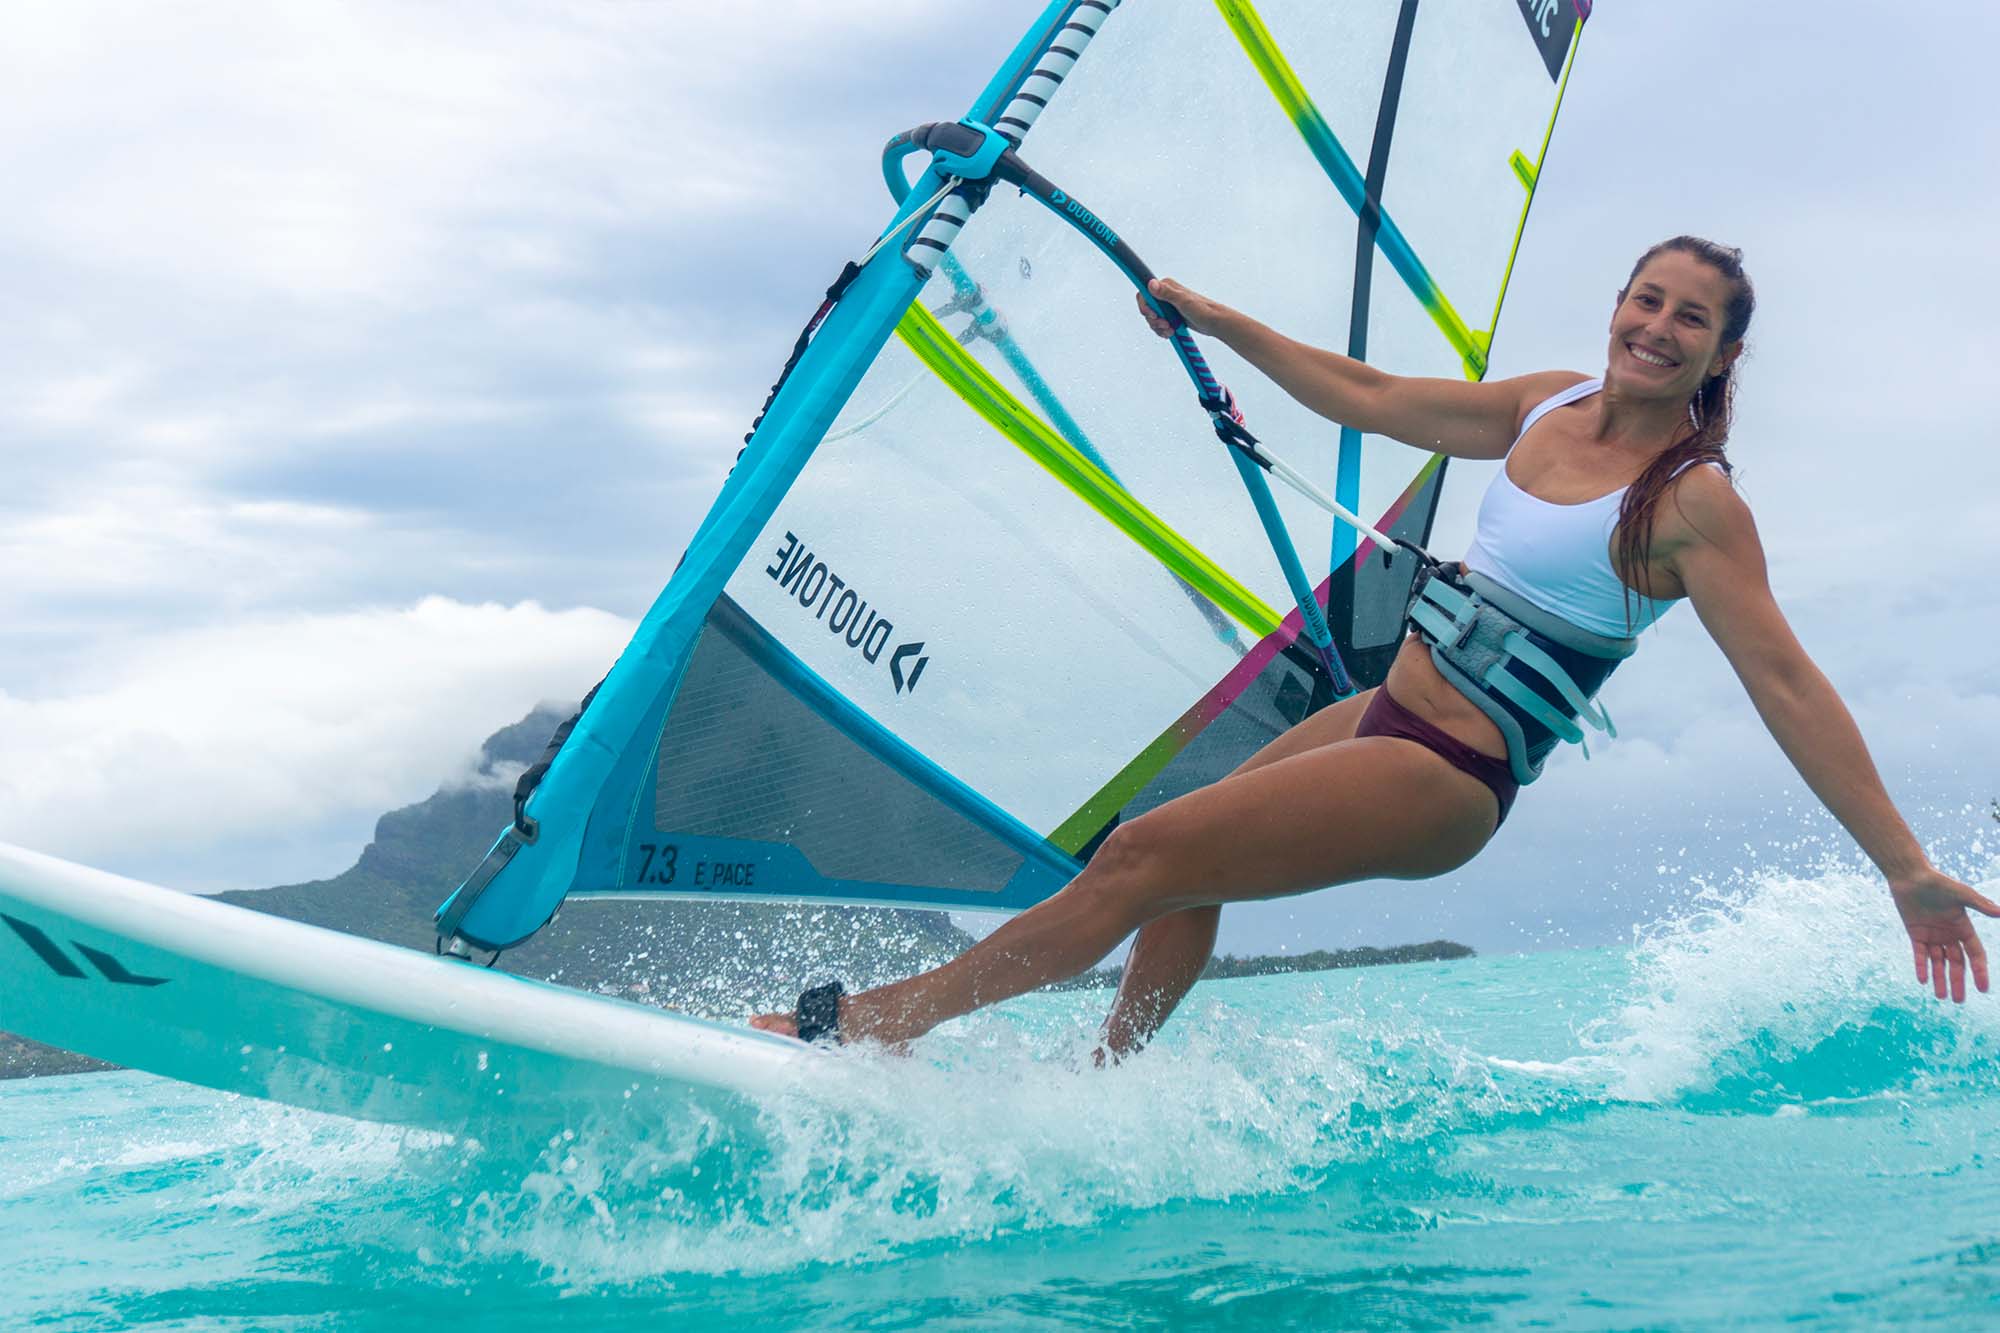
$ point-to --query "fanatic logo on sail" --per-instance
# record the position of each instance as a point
(1552, 23)
(844, 612)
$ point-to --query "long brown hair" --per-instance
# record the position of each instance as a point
(1702, 439)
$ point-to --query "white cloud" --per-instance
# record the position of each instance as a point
(254, 729)
(381, 153)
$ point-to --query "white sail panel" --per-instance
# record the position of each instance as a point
(1017, 592)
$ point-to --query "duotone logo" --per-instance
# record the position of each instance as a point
(1093, 224)
(902, 653)
(63, 965)
(845, 613)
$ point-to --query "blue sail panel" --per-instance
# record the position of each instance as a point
(592, 778)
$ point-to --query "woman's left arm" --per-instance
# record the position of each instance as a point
(1712, 546)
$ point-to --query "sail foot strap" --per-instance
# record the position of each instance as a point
(453, 913)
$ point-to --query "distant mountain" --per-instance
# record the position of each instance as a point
(709, 958)
(714, 959)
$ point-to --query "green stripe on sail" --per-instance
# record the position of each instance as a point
(1089, 820)
(939, 351)
(1128, 782)
(1533, 179)
(1285, 85)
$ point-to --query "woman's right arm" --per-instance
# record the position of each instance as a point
(1447, 416)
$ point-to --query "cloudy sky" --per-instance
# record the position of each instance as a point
(369, 365)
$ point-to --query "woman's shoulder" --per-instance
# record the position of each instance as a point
(1538, 386)
(1706, 499)
(1706, 477)
(1540, 390)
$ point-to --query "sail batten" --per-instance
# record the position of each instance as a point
(1325, 145)
(1087, 478)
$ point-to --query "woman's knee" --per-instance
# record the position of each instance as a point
(1125, 852)
(1127, 873)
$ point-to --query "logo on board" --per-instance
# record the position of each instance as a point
(1552, 23)
(840, 608)
(63, 965)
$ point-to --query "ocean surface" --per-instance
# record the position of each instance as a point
(1750, 1117)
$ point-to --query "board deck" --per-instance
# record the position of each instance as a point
(218, 995)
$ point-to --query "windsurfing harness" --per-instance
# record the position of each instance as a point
(1533, 673)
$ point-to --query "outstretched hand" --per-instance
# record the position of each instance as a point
(1200, 313)
(1935, 908)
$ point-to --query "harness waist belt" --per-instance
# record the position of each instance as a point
(1533, 673)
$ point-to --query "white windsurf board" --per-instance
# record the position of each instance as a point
(229, 998)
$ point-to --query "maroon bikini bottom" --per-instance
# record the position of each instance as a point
(1386, 717)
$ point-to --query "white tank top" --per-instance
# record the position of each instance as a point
(1559, 556)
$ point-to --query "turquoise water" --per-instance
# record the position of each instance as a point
(1750, 1117)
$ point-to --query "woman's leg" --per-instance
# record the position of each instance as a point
(1170, 951)
(1359, 809)
(1167, 958)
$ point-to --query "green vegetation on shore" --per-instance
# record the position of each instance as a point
(1228, 966)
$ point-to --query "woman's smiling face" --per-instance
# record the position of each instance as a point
(1666, 333)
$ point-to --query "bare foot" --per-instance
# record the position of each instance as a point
(785, 1025)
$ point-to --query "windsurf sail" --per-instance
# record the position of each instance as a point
(984, 582)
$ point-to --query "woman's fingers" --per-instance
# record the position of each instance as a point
(1152, 317)
(1943, 944)
(1191, 306)
(1942, 966)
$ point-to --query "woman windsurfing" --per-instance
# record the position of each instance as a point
(1613, 502)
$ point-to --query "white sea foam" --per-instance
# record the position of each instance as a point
(1778, 993)
(1771, 968)
(998, 1125)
